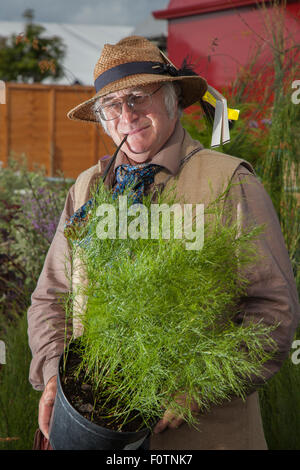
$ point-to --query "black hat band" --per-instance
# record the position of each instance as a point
(133, 68)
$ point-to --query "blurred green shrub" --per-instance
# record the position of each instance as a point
(30, 206)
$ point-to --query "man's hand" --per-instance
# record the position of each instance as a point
(170, 419)
(46, 405)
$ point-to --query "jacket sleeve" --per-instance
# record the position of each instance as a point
(271, 293)
(46, 318)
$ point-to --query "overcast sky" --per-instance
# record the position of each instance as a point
(105, 12)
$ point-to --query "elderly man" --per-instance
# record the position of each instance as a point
(139, 95)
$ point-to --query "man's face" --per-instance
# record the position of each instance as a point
(148, 129)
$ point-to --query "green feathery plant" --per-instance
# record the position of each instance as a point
(159, 318)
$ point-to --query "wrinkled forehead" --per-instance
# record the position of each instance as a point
(126, 92)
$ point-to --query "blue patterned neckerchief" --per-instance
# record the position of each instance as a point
(138, 177)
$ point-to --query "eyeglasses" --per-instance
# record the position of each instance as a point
(136, 102)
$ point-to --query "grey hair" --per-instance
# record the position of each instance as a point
(171, 96)
(172, 92)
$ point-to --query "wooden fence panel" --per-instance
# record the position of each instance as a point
(34, 122)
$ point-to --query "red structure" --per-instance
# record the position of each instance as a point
(221, 36)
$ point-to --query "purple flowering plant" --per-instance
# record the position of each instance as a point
(30, 206)
(42, 210)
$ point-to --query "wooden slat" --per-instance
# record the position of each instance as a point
(6, 106)
(52, 131)
(2, 131)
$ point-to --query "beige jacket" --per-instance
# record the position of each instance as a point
(272, 293)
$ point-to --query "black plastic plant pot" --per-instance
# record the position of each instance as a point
(69, 430)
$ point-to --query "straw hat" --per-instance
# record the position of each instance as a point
(135, 61)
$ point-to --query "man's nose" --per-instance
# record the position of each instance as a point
(128, 113)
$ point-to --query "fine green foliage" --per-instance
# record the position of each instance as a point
(159, 319)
